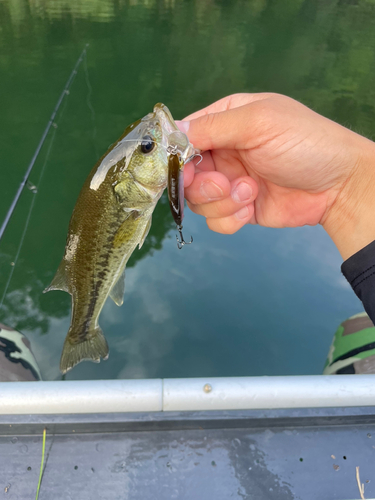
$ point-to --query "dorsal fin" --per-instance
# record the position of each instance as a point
(60, 281)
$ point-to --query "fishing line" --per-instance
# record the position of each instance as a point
(169, 149)
(41, 142)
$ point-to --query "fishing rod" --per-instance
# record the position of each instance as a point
(41, 142)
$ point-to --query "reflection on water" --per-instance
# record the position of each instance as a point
(260, 302)
(104, 10)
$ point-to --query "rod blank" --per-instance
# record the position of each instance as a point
(41, 142)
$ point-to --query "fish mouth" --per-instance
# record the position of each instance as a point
(176, 139)
(166, 118)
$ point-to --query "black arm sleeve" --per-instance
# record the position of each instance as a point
(359, 270)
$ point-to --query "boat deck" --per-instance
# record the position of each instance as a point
(283, 454)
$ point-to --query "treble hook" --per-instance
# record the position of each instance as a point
(194, 156)
(181, 242)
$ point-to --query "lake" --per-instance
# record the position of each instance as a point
(260, 302)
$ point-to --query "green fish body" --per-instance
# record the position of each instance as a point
(111, 218)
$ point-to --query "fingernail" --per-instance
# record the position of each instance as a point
(183, 126)
(242, 192)
(211, 191)
(243, 213)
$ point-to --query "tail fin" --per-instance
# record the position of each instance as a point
(93, 348)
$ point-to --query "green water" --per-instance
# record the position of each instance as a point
(261, 302)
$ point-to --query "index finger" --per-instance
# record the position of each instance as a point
(228, 102)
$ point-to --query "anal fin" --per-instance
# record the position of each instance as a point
(146, 231)
(60, 281)
(118, 290)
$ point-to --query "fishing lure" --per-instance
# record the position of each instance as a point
(176, 195)
(178, 145)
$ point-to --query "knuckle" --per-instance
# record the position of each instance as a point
(214, 226)
(220, 226)
(221, 210)
(207, 123)
(209, 119)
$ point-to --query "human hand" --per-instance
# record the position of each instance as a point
(292, 166)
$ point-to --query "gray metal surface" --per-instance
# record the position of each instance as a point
(305, 454)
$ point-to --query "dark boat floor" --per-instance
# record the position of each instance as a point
(307, 454)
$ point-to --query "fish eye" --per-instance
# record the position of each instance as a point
(147, 145)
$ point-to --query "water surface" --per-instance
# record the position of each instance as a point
(261, 302)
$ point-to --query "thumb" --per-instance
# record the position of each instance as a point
(230, 129)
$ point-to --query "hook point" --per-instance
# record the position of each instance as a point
(181, 242)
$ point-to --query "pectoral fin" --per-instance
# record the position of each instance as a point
(118, 290)
(60, 280)
(127, 229)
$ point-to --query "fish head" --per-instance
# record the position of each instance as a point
(143, 151)
(147, 157)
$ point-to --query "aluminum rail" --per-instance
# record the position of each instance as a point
(193, 394)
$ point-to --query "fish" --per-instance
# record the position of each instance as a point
(113, 216)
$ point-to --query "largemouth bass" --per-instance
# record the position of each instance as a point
(111, 218)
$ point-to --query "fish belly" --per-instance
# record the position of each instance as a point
(96, 280)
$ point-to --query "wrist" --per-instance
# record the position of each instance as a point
(350, 221)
